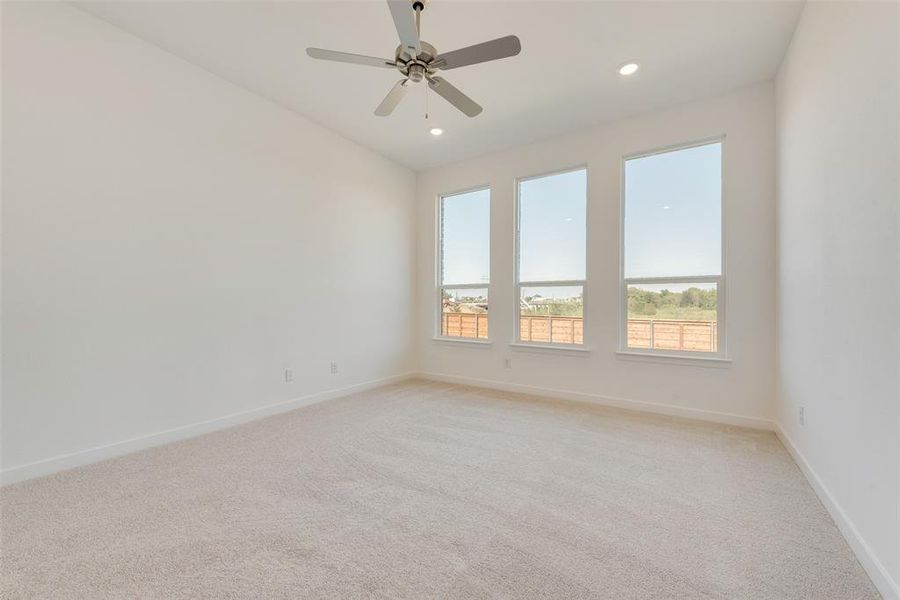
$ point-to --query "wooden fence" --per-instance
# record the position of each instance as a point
(665, 334)
(659, 334)
(556, 330)
(465, 325)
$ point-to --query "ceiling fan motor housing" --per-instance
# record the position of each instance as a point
(416, 68)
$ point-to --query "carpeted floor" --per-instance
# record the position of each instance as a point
(428, 490)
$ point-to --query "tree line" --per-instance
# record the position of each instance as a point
(649, 303)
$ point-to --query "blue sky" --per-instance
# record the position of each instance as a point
(672, 222)
(552, 213)
(673, 213)
(466, 237)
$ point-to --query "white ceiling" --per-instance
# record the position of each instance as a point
(564, 79)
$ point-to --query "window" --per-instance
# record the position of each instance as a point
(673, 283)
(551, 258)
(464, 264)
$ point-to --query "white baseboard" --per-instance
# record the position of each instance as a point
(637, 405)
(874, 567)
(92, 455)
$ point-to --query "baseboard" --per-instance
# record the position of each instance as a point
(637, 405)
(875, 569)
(91, 455)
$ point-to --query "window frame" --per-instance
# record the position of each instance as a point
(721, 352)
(518, 284)
(439, 286)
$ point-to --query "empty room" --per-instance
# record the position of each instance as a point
(450, 299)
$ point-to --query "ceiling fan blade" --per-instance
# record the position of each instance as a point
(405, 21)
(479, 53)
(393, 98)
(346, 57)
(455, 97)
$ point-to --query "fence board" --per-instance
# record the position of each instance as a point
(659, 334)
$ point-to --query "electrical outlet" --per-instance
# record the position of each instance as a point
(333, 368)
(507, 363)
(288, 375)
(802, 415)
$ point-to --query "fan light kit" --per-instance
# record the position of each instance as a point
(628, 69)
(417, 60)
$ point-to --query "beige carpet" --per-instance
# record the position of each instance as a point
(427, 490)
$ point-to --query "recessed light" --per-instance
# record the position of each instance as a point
(666, 207)
(436, 131)
(628, 69)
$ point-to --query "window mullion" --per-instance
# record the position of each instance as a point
(466, 286)
(562, 283)
(674, 279)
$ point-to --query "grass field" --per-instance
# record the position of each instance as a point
(691, 304)
(679, 313)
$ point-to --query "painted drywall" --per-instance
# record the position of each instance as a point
(838, 214)
(172, 243)
(740, 391)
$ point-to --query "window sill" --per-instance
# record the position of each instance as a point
(452, 341)
(549, 348)
(719, 362)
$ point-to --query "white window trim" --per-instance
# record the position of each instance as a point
(438, 271)
(661, 357)
(675, 356)
(517, 342)
(472, 342)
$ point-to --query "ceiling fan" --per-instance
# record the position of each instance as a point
(418, 60)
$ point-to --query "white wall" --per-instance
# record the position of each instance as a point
(838, 119)
(172, 242)
(745, 387)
